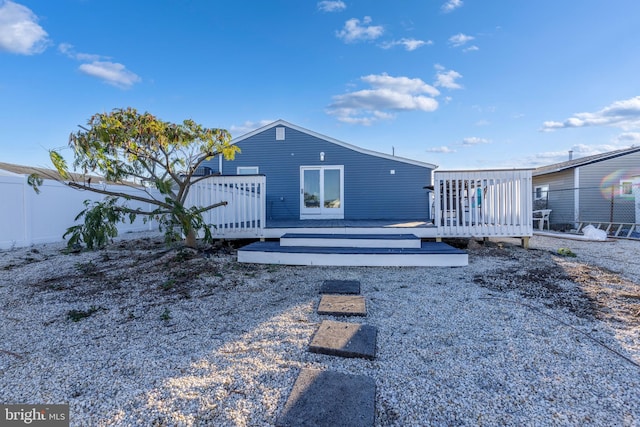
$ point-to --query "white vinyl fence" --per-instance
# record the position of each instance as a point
(27, 218)
(486, 203)
(243, 216)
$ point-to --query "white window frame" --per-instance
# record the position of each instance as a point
(544, 192)
(243, 170)
(280, 133)
(626, 184)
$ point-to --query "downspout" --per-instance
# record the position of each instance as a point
(220, 163)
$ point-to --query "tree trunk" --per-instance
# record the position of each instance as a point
(190, 240)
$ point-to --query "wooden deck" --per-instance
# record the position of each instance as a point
(277, 228)
(353, 250)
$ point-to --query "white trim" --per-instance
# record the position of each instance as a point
(576, 195)
(257, 170)
(544, 190)
(362, 260)
(333, 141)
(322, 212)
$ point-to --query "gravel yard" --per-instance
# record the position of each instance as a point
(140, 334)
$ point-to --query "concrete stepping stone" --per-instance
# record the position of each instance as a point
(327, 398)
(340, 287)
(345, 340)
(342, 305)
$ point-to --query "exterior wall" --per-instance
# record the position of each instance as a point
(561, 195)
(371, 191)
(600, 182)
(597, 183)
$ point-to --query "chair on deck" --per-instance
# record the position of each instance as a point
(542, 216)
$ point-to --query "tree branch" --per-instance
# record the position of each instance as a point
(117, 194)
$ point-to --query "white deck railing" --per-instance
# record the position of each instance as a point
(244, 215)
(486, 203)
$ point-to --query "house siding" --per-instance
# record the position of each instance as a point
(600, 198)
(371, 191)
(561, 198)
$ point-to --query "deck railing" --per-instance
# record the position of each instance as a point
(244, 215)
(487, 203)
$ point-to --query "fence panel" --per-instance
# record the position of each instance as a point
(28, 218)
(597, 205)
(483, 203)
(243, 216)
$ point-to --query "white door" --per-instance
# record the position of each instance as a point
(321, 192)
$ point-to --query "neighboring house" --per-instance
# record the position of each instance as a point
(599, 188)
(312, 176)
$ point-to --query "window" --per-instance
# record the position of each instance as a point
(541, 192)
(280, 134)
(626, 188)
(247, 170)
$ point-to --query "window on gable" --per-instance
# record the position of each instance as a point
(247, 170)
(280, 134)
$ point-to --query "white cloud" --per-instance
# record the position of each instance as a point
(474, 140)
(447, 79)
(460, 40)
(111, 72)
(331, 6)
(353, 31)
(248, 126)
(441, 149)
(472, 48)
(632, 138)
(69, 51)
(621, 114)
(578, 151)
(409, 44)
(19, 30)
(451, 5)
(387, 95)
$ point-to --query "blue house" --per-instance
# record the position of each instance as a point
(310, 176)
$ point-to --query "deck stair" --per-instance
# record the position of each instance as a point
(353, 250)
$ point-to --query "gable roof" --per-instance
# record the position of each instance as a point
(558, 167)
(333, 141)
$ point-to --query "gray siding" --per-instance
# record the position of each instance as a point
(370, 190)
(561, 195)
(596, 181)
(600, 198)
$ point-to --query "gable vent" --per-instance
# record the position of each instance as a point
(279, 134)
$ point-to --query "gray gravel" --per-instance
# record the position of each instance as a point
(516, 338)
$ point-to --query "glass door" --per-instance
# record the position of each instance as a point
(321, 190)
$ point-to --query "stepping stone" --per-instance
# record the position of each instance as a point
(327, 398)
(342, 305)
(345, 340)
(340, 287)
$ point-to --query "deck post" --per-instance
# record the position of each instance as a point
(525, 242)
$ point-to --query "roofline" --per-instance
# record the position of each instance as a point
(562, 166)
(333, 141)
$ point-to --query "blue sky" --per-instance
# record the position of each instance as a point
(463, 84)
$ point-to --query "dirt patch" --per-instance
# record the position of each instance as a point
(561, 282)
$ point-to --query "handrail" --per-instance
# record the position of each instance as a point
(483, 203)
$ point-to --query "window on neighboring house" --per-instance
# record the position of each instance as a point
(540, 192)
(247, 170)
(626, 188)
(280, 134)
